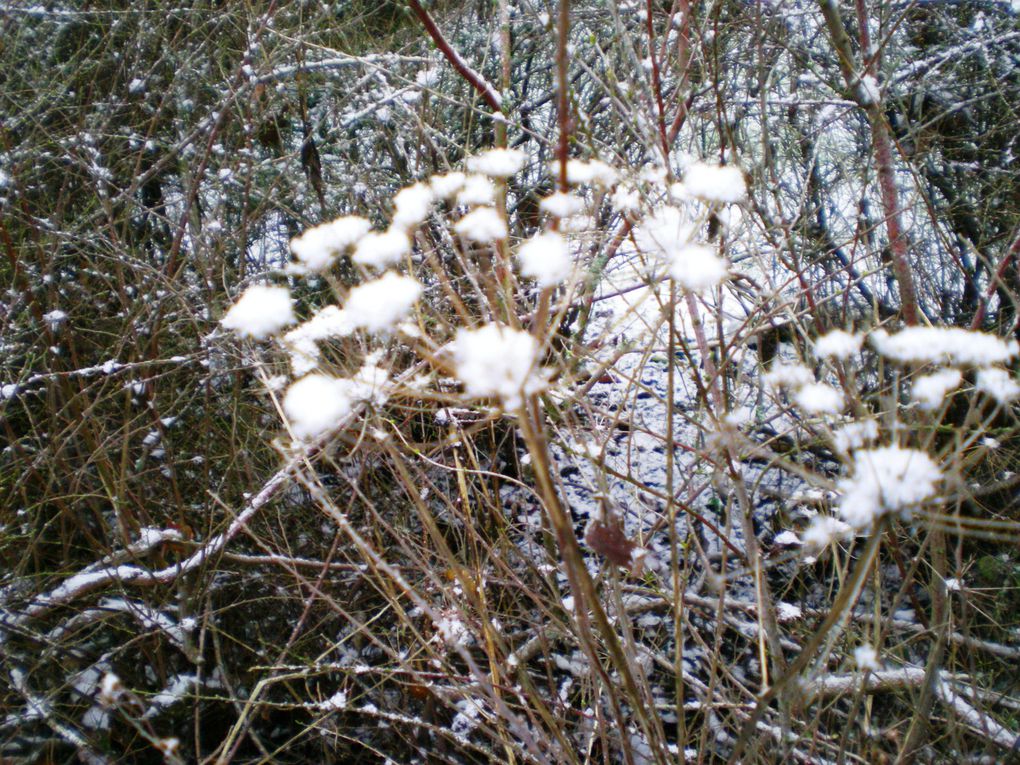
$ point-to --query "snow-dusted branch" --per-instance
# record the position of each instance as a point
(104, 573)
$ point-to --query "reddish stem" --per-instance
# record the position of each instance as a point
(485, 90)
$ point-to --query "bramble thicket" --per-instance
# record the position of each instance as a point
(510, 381)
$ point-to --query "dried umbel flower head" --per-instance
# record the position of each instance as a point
(607, 537)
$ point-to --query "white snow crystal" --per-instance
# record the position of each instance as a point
(497, 163)
(476, 190)
(483, 225)
(318, 247)
(545, 258)
(888, 479)
(866, 659)
(495, 360)
(715, 183)
(869, 91)
(819, 398)
(447, 186)
(561, 204)
(379, 250)
(262, 311)
(929, 391)
(315, 404)
(938, 344)
(380, 304)
(411, 206)
(788, 612)
(334, 703)
(998, 383)
(837, 344)
(55, 318)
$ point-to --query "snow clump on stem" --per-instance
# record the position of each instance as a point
(998, 384)
(378, 305)
(483, 226)
(412, 205)
(497, 361)
(929, 391)
(545, 258)
(318, 247)
(379, 250)
(944, 344)
(302, 341)
(715, 183)
(497, 163)
(667, 235)
(837, 344)
(889, 479)
(316, 404)
(262, 311)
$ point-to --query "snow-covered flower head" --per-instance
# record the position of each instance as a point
(318, 247)
(999, 384)
(411, 206)
(819, 398)
(715, 183)
(823, 531)
(497, 163)
(888, 479)
(791, 376)
(929, 391)
(545, 258)
(946, 345)
(378, 305)
(316, 404)
(495, 360)
(379, 250)
(302, 341)
(697, 267)
(262, 311)
(446, 186)
(667, 234)
(561, 204)
(837, 344)
(476, 190)
(866, 658)
(595, 172)
(483, 225)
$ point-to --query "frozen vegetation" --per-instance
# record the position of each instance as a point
(510, 382)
